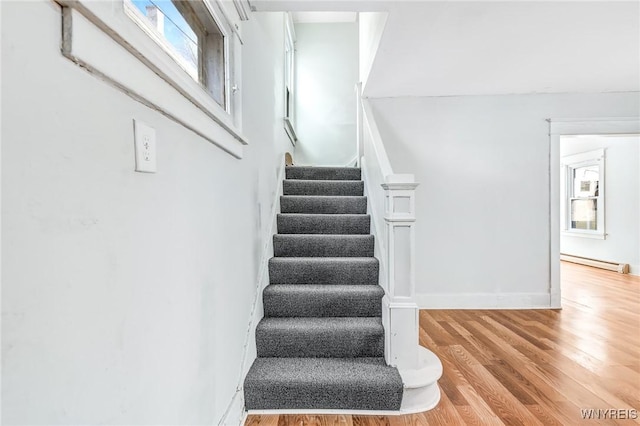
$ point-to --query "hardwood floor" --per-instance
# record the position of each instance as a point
(529, 367)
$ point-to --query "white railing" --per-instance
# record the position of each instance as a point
(391, 205)
(391, 199)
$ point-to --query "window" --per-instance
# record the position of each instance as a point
(584, 199)
(184, 70)
(191, 36)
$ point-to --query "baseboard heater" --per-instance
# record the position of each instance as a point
(622, 268)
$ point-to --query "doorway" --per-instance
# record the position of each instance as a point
(587, 216)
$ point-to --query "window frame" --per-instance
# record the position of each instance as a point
(140, 68)
(201, 8)
(570, 163)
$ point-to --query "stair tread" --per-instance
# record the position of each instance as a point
(323, 224)
(320, 260)
(322, 173)
(323, 245)
(323, 187)
(310, 289)
(322, 300)
(324, 197)
(314, 337)
(323, 204)
(313, 383)
(321, 370)
(320, 324)
(323, 270)
(325, 237)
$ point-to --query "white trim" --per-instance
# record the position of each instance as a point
(380, 253)
(257, 311)
(565, 127)
(291, 132)
(583, 157)
(583, 234)
(235, 413)
(380, 248)
(152, 77)
(289, 78)
(242, 9)
(376, 139)
(359, 123)
(351, 162)
(484, 300)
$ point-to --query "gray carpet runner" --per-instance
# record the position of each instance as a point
(321, 342)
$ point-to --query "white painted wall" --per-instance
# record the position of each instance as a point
(482, 230)
(445, 48)
(370, 29)
(126, 296)
(622, 200)
(326, 75)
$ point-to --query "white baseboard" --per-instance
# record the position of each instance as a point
(484, 300)
(236, 414)
(634, 270)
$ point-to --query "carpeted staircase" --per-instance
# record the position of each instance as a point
(321, 342)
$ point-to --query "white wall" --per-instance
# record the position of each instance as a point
(125, 296)
(622, 200)
(482, 231)
(370, 29)
(326, 75)
(462, 48)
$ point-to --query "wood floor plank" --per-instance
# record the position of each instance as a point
(501, 401)
(527, 367)
(444, 414)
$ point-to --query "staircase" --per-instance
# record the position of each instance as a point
(321, 342)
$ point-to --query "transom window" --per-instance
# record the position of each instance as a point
(190, 34)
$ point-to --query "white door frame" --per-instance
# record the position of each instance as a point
(566, 127)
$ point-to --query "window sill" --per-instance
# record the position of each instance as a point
(595, 236)
(133, 63)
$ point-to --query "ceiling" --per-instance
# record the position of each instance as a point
(446, 48)
(323, 17)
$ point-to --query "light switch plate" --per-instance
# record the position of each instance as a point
(145, 147)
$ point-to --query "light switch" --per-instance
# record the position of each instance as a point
(145, 147)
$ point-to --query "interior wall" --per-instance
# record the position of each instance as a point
(622, 200)
(482, 230)
(370, 28)
(126, 296)
(326, 75)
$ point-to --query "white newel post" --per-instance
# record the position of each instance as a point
(400, 220)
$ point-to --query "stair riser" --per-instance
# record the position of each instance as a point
(322, 272)
(323, 205)
(322, 173)
(319, 343)
(319, 187)
(322, 383)
(321, 304)
(301, 396)
(323, 246)
(329, 224)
